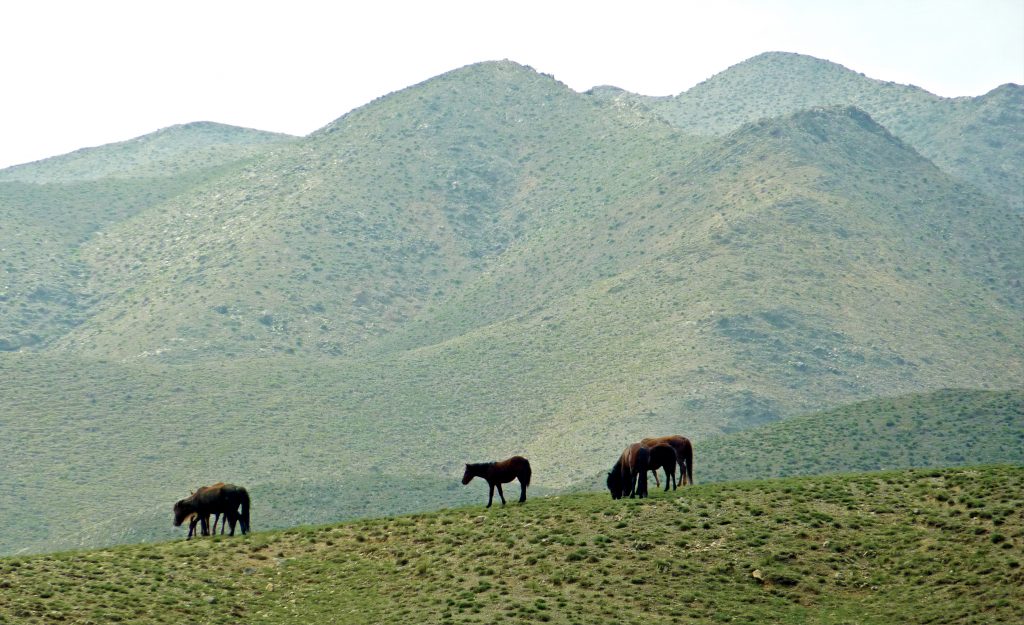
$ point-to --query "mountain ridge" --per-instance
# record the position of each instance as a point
(942, 129)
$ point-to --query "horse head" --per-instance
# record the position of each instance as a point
(614, 483)
(467, 477)
(182, 511)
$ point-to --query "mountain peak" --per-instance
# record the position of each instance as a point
(791, 71)
(464, 86)
(194, 145)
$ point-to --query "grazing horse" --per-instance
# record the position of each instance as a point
(629, 474)
(684, 455)
(498, 473)
(663, 456)
(221, 499)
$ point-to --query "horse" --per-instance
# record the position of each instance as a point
(629, 474)
(684, 455)
(222, 499)
(663, 456)
(498, 473)
(203, 521)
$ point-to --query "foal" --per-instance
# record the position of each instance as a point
(498, 473)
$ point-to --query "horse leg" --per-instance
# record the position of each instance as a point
(522, 492)
(490, 496)
(656, 481)
(501, 494)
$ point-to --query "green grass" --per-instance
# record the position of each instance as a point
(899, 547)
(941, 429)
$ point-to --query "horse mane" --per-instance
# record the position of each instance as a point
(617, 466)
(480, 465)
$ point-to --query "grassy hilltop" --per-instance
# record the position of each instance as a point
(899, 547)
(483, 264)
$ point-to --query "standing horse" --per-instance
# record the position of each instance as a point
(663, 456)
(498, 473)
(204, 521)
(629, 474)
(225, 499)
(684, 454)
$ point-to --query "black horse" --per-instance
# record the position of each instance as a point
(498, 473)
(663, 456)
(629, 474)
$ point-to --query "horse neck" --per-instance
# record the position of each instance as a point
(480, 469)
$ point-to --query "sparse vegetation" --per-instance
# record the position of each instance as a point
(907, 547)
(941, 429)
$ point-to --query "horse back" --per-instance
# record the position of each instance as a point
(681, 445)
(219, 497)
(662, 455)
(513, 468)
(633, 456)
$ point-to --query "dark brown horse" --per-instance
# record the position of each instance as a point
(629, 474)
(221, 499)
(684, 454)
(203, 522)
(663, 456)
(498, 473)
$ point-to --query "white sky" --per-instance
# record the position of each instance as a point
(82, 73)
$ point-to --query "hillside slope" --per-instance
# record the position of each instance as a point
(945, 428)
(900, 547)
(356, 230)
(52, 207)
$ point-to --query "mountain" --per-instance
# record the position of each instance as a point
(168, 152)
(483, 264)
(935, 546)
(980, 140)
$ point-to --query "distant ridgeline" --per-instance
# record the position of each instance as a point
(489, 263)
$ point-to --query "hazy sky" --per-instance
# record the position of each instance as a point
(78, 74)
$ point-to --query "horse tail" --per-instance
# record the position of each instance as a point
(525, 473)
(245, 511)
(689, 463)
